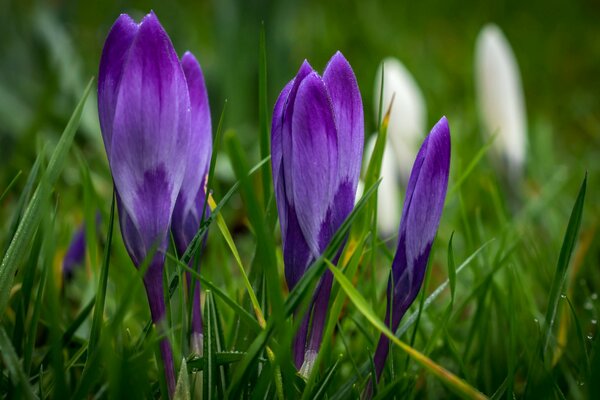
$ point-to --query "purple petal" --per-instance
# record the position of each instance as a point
(286, 136)
(348, 112)
(421, 216)
(313, 158)
(200, 144)
(150, 132)
(114, 55)
(277, 156)
(190, 201)
(296, 253)
(75, 256)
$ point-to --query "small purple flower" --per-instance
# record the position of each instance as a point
(425, 196)
(75, 256)
(144, 110)
(189, 207)
(316, 152)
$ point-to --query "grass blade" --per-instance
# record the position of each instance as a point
(456, 384)
(98, 317)
(13, 365)
(563, 262)
(32, 215)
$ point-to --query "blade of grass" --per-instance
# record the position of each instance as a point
(456, 384)
(210, 369)
(229, 240)
(10, 185)
(569, 242)
(265, 245)
(32, 215)
(263, 114)
(302, 289)
(98, 317)
(13, 365)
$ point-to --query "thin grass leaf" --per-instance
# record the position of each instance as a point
(265, 243)
(566, 250)
(22, 304)
(482, 152)
(263, 115)
(229, 240)
(321, 390)
(13, 365)
(220, 358)
(456, 384)
(25, 196)
(10, 185)
(33, 324)
(219, 347)
(210, 367)
(301, 291)
(182, 389)
(53, 314)
(98, 317)
(92, 368)
(32, 214)
(338, 299)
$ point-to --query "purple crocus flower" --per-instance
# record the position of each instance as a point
(144, 110)
(75, 256)
(421, 216)
(190, 207)
(316, 151)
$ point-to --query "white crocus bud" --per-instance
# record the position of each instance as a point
(388, 193)
(406, 128)
(501, 101)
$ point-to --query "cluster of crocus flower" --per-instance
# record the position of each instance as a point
(156, 127)
(316, 151)
(155, 124)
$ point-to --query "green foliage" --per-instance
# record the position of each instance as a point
(510, 306)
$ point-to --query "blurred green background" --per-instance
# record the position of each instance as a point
(50, 49)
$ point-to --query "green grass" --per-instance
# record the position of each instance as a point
(510, 306)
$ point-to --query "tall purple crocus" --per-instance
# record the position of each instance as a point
(316, 151)
(421, 216)
(190, 206)
(144, 110)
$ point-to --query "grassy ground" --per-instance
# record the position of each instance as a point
(489, 326)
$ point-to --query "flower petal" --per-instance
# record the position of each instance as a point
(277, 157)
(406, 126)
(500, 97)
(286, 137)
(190, 201)
(114, 55)
(348, 113)
(421, 216)
(200, 144)
(314, 159)
(150, 132)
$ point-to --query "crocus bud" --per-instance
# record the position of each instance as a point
(316, 150)
(75, 256)
(408, 115)
(501, 100)
(189, 207)
(388, 193)
(144, 110)
(421, 216)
